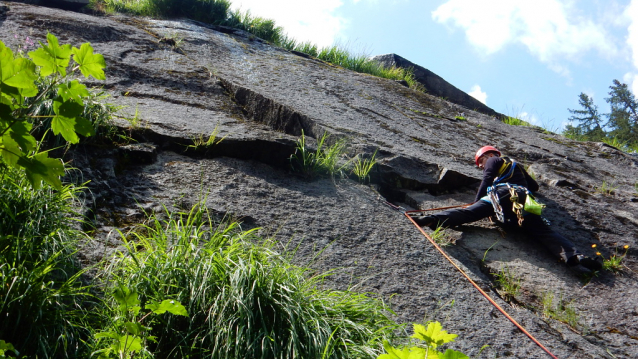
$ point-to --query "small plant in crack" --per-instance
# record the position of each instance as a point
(606, 188)
(201, 142)
(509, 286)
(442, 237)
(363, 166)
(614, 262)
(559, 310)
(323, 160)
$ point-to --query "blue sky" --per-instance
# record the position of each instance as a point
(529, 59)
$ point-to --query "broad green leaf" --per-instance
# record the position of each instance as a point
(90, 64)
(112, 335)
(453, 354)
(68, 122)
(168, 305)
(434, 335)
(20, 132)
(11, 96)
(42, 168)
(19, 73)
(66, 127)
(126, 297)
(6, 346)
(130, 343)
(52, 58)
(133, 328)
(406, 353)
(73, 90)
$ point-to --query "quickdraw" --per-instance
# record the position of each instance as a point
(517, 207)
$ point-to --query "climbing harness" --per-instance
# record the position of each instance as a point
(530, 205)
(520, 327)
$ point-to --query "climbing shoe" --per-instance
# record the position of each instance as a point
(589, 263)
(426, 221)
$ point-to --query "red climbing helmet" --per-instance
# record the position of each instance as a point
(483, 150)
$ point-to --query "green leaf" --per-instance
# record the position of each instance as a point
(112, 335)
(167, 305)
(133, 328)
(20, 132)
(68, 122)
(4, 346)
(434, 335)
(19, 73)
(406, 353)
(126, 297)
(52, 58)
(130, 343)
(90, 64)
(41, 168)
(453, 354)
(16, 142)
(73, 90)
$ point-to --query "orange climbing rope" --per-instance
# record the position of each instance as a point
(407, 214)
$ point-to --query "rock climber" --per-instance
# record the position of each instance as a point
(504, 179)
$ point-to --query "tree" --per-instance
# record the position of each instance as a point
(623, 118)
(589, 120)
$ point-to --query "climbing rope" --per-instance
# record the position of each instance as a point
(407, 214)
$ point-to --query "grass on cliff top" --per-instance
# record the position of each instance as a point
(217, 12)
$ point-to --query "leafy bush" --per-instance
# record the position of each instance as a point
(21, 96)
(245, 300)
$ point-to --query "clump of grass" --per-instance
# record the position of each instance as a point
(40, 288)
(208, 11)
(614, 262)
(363, 166)
(559, 310)
(323, 160)
(245, 299)
(513, 121)
(442, 237)
(615, 142)
(200, 142)
(341, 56)
(509, 286)
(606, 188)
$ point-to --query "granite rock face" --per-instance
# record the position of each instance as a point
(259, 98)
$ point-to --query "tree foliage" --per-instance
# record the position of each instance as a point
(19, 94)
(620, 125)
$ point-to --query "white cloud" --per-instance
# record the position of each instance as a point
(631, 13)
(551, 30)
(478, 94)
(313, 21)
(530, 118)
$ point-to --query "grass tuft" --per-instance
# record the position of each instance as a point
(509, 286)
(245, 299)
(363, 166)
(559, 310)
(40, 289)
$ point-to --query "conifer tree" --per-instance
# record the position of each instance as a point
(623, 118)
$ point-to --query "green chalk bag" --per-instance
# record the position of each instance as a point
(532, 206)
